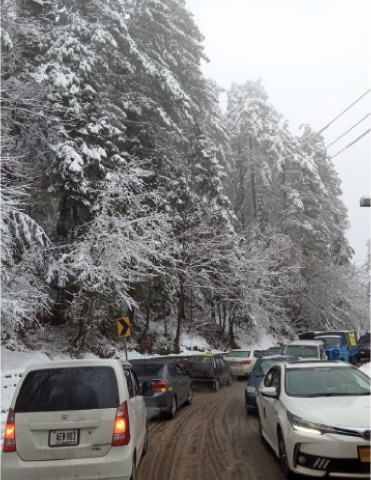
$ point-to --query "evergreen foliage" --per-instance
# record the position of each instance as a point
(127, 191)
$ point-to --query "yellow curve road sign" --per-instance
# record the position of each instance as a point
(123, 327)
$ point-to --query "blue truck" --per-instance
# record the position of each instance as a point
(339, 345)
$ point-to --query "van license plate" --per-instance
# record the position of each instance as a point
(60, 438)
(364, 454)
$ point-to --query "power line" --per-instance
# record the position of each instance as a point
(351, 128)
(352, 143)
(342, 113)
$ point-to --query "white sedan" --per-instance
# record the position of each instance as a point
(241, 361)
(316, 417)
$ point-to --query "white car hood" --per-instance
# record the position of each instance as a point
(346, 411)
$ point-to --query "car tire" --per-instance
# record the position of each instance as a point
(189, 397)
(146, 442)
(216, 386)
(262, 439)
(173, 409)
(133, 475)
(283, 456)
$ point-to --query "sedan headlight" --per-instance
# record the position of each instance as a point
(251, 389)
(307, 426)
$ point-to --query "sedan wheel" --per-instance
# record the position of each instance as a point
(283, 456)
(189, 397)
(146, 442)
(174, 408)
(133, 471)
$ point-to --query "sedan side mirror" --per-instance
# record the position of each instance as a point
(147, 389)
(269, 392)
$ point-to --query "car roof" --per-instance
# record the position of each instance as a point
(86, 362)
(317, 363)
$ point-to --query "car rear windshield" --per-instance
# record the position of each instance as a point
(302, 351)
(244, 354)
(332, 342)
(143, 369)
(199, 362)
(76, 388)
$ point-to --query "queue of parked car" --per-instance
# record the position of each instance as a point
(90, 417)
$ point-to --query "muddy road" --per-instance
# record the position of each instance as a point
(213, 439)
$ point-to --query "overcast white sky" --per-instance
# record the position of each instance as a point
(314, 60)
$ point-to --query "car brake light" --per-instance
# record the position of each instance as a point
(245, 362)
(121, 428)
(160, 387)
(212, 375)
(9, 434)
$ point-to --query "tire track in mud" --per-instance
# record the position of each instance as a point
(212, 439)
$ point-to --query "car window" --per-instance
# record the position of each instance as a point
(302, 351)
(132, 382)
(179, 370)
(200, 362)
(258, 354)
(326, 381)
(75, 388)
(269, 378)
(364, 339)
(332, 342)
(143, 369)
(239, 354)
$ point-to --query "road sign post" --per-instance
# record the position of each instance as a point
(123, 330)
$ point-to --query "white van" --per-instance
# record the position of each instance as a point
(307, 349)
(76, 419)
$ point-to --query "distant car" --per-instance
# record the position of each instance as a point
(209, 369)
(171, 385)
(315, 415)
(307, 349)
(256, 376)
(241, 361)
(279, 350)
(76, 419)
(364, 347)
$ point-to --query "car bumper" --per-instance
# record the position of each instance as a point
(330, 456)
(158, 403)
(239, 370)
(250, 401)
(116, 465)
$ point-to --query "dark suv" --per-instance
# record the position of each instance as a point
(364, 347)
(208, 369)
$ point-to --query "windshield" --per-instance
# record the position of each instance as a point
(304, 351)
(326, 381)
(333, 342)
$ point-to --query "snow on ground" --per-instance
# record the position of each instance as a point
(13, 363)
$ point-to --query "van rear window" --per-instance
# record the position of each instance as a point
(75, 388)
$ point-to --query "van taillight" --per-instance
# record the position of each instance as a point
(9, 434)
(245, 362)
(121, 428)
(160, 387)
